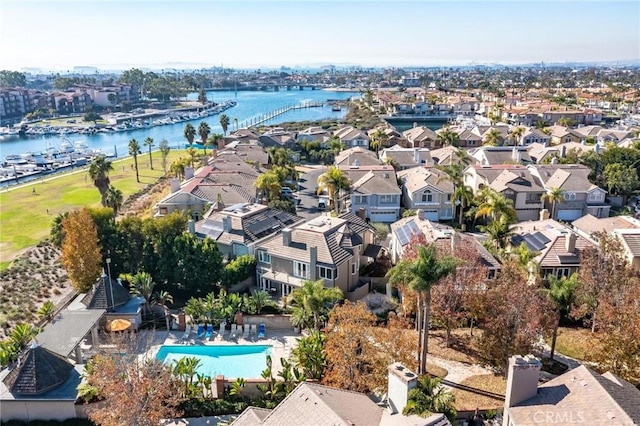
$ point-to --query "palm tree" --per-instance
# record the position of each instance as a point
(114, 199)
(309, 355)
(203, 131)
(142, 286)
(454, 173)
(148, 142)
(448, 137)
(334, 180)
(22, 334)
(46, 311)
(516, 134)
(494, 205)
(189, 133)
(99, 173)
(499, 230)
(260, 299)
(378, 139)
(429, 397)
(335, 145)
(161, 299)
(553, 195)
(269, 183)
(561, 294)
(420, 275)
(224, 122)
(313, 298)
(134, 150)
(192, 153)
(493, 137)
(213, 140)
(177, 168)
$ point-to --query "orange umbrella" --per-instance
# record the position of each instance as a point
(118, 325)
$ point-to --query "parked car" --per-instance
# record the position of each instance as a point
(322, 204)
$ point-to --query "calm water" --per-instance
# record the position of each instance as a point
(246, 361)
(250, 105)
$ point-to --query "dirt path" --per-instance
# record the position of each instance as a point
(458, 371)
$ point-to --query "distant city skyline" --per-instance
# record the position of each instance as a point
(116, 34)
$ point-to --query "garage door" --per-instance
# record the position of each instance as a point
(431, 215)
(383, 216)
(569, 215)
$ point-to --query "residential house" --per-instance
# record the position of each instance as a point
(578, 396)
(561, 134)
(406, 158)
(329, 248)
(552, 117)
(357, 157)
(541, 154)
(427, 189)
(393, 137)
(467, 138)
(515, 182)
(502, 129)
(244, 136)
(279, 138)
(497, 155)
(314, 134)
(580, 196)
(250, 152)
(421, 137)
(374, 192)
(352, 137)
(592, 116)
(238, 228)
(532, 135)
(558, 248)
(448, 155)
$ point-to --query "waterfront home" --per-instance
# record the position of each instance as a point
(250, 152)
(279, 138)
(244, 136)
(326, 247)
(238, 228)
(578, 396)
(356, 157)
(497, 155)
(579, 195)
(421, 137)
(393, 137)
(406, 158)
(314, 134)
(352, 137)
(515, 182)
(427, 189)
(467, 138)
(374, 192)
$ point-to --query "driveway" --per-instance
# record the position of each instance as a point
(308, 186)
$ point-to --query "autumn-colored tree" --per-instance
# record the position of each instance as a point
(134, 391)
(81, 250)
(517, 314)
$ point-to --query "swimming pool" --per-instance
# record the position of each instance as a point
(232, 361)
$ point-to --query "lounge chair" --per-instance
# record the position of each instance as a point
(209, 333)
(186, 335)
(234, 331)
(200, 331)
(223, 326)
(254, 330)
(262, 331)
(245, 334)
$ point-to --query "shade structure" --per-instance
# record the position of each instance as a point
(118, 325)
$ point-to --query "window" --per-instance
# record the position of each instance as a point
(427, 197)
(595, 196)
(359, 199)
(562, 272)
(354, 268)
(386, 199)
(300, 269)
(326, 273)
(449, 197)
(508, 193)
(534, 198)
(264, 257)
(569, 196)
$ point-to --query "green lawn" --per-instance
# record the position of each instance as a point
(25, 218)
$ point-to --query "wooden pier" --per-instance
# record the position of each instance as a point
(256, 121)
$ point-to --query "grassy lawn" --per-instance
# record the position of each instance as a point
(469, 401)
(461, 345)
(576, 343)
(26, 218)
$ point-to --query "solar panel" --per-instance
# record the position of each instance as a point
(533, 243)
(406, 231)
(541, 237)
(283, 217)
(569, 259)
(262, 226)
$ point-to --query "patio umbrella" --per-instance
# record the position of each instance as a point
(118, 325)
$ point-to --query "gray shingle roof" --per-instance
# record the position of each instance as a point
(40, 370)
(68, 329)
(99, 297)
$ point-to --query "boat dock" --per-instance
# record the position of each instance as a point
(273, 114)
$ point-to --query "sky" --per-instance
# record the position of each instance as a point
(120, 34)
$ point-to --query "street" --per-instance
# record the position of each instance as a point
(308, 186)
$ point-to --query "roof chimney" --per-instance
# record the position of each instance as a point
(226, 223)
(420, 214)
(401, 380)
(544, 214)
(522, 379)
(416, 156)
(313, 259)
(286, 237)
(570, 242)
(192, 226)
(563, 151)
(175, 185)
(188, 172)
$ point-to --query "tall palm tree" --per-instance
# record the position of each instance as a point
(99, 173)
(177, 168)
(189, 133)
(428, 397)
(494, 205)
(554, 196)
(493, 138)
(561, 293)
(224, 122)
(212, 141)
(378, 139)
(142, 286)
(499, 230)
(516, 134)
(334, 180)
(269, 183)
(335, 145)
(161, 299)
(134, 150)
(203, 131)
(192, 153)
(148, 142)
(114, 199)
(448, 137)
(455, 174)
(313, 298)
(420, 275)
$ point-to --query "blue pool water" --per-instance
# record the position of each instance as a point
(246, 361)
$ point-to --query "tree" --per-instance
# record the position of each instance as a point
(203, 131)
(420, 275)
(193, 154)
(202, 96)
(334, 180)
(148, 142)
(189, 133)
(620, 179)
(313, 300)
(57, 234)
(309, 355)
(561, 295)
(214, 140)
(22, 335)
(494, 205)
(499, 230)
(429, 397)
(448, 137)
(493, 137)
(80, 251)
(197, 265)
(565, 122)
(164, 152)
(114, 199)
(142, 285)
(454, 173)
(47, 310)
(224, 122)
(112, 98)
(134, 150)
(269, 184)
(554, 196)
(99, 173)
(91, 116)
(12, 79)
(335, 145)
(378, 139)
